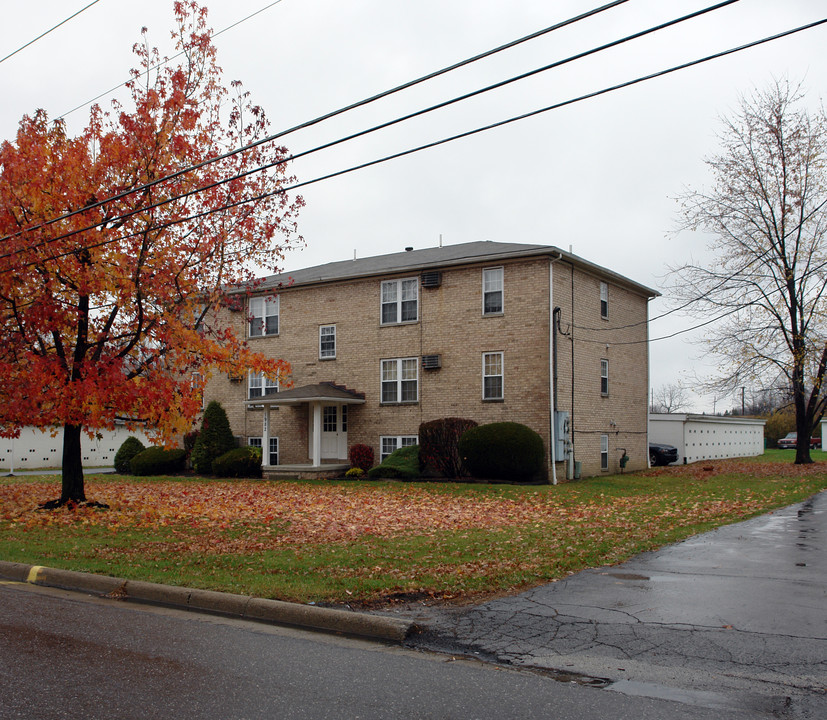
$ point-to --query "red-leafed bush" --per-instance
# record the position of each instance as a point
(438, 445)
(361, 456)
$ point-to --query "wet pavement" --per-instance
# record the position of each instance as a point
(733, 618)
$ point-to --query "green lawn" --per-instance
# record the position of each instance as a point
(377, 542)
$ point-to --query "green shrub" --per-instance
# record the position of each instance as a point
(503, 451)
(128, 450)
(214, 439)
(402, 464)
(158, 461)
(243, 462)
(438, 440)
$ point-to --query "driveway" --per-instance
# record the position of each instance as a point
(733, 618)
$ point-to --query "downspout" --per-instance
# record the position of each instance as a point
(552, 369)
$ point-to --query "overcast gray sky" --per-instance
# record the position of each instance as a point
(599, 177)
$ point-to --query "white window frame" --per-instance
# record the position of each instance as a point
(264, 385)
(393, 295)
(486, 375)
(323, 353)
(493, 282)
(604, 452)
(604, 377)
(274, 443)
(398, 441)
(604, 300)
(394, 372)
(263, 309)
(197, 385)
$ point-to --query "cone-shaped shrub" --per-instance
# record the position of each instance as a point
(214, 439)
(128, 450)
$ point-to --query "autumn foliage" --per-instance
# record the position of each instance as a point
(109, 278)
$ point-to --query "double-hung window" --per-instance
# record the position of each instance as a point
(604, 377)
(492, 376)
(604, 452)
(400, 380)
(274, 448)
(327, 342)
(492, 291)
(604, 301)
(390, 443)
(400, 301)
(259, 386)
(264, 316)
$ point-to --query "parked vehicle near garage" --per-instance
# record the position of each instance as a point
(790, 439)
(660, 454)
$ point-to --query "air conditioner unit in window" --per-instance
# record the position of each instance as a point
(431, 279)
(431, 362)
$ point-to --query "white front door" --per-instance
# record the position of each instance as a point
(334, 432)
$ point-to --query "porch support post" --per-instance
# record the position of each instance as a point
(317, 434)
(265, 436)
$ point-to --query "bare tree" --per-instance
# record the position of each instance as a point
(767, 211)
(670, 398)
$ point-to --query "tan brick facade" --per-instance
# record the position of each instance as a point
(451, 324)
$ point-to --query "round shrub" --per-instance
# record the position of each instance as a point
(503, 451)
(158, 461)
(243, 462)
(214, 439)
(355, 473)
(128, 450)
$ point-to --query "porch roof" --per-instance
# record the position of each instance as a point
(325, 392)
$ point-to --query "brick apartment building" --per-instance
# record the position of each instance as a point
(487, 331)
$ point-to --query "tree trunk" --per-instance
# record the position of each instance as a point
(72, 477)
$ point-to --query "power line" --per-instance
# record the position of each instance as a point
(44, 34)
(321, 118)
(362, 133)
(446, 140)
(166, 60)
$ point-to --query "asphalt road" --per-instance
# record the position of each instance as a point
(68, 655)
(734, 619)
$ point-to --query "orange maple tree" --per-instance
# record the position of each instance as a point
(113, 259)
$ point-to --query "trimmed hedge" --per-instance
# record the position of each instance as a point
(129, 449)
(243, 462)
(438, 451)
(504, 451)
(402, 464)
(158, 461)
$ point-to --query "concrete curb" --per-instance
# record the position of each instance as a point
(375, 627)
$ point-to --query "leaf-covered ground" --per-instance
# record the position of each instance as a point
(335, 541)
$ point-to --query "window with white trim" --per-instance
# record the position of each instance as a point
(604, 300)
(274, 448)
(259, 385)
(400, 380)
(492, 291)
(327, 342)
(390, 443)
(492, 376)
(400, 301)
(264, 316)
(604, 377)
(604, 452)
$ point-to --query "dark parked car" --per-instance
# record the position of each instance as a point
(660, 454)
(789, 441)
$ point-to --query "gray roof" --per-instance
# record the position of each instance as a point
(320, 392)
(432, 259)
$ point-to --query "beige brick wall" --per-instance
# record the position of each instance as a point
(452, 325)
